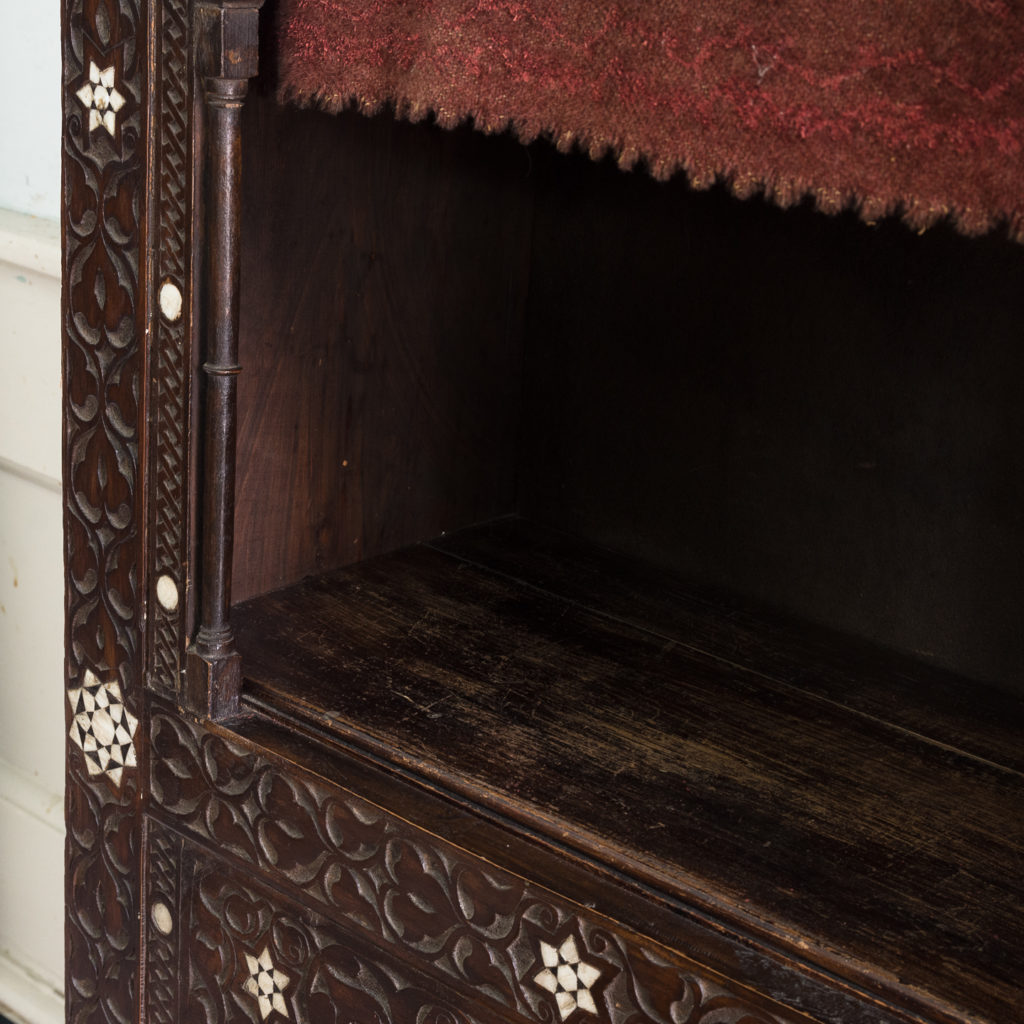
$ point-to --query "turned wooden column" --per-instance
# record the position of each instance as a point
(227, 40)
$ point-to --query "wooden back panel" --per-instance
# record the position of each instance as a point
(384, 274)
(439, 328)
(818, 414)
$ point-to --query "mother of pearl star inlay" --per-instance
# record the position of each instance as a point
(101, 98)
(103, 727)
(567, 977)
(266, 983)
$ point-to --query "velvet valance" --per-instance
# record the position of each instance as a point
(908, 107)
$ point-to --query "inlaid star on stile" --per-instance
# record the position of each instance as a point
(100, 97)
(567, 977)
(103, 727)
(266, 983)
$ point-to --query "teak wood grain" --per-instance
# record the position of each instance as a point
(382, 349)
(862, 841)
(903, 691)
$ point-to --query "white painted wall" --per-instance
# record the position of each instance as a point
(31, 573)
(30, 113)
(31, 623)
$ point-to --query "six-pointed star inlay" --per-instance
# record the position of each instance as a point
(567, 977)
(100, 97)
(266, 983)
(103, 727)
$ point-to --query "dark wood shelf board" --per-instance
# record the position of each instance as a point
(554, 681)
(903, 691)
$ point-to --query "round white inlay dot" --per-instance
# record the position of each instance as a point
(170, 301)
(162, 918)
(167, 592)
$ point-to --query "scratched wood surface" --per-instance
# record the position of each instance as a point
(901, 690)
(697, 771)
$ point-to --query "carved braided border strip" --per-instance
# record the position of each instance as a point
(171, 351)
(164, 854)
(105, 133)
(480, 927)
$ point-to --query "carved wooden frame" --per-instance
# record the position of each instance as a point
(129, 307)
(108, 99)
(476, 928)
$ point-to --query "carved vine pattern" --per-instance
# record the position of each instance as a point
(104, 69)
(471, 922)
(329, 980)
(171, 342)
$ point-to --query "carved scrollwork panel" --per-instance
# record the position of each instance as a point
(105, 133)
(102, 900)
(484, 929)
(254, 956)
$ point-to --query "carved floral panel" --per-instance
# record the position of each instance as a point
(255, 956)
(487, 931)
(105, 135)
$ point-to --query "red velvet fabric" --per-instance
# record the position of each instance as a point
(913, 107)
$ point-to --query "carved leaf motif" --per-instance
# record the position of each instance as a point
(476, 925)
(104, 190)
(254, 957)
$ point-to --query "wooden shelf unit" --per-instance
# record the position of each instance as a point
(626, 579)
(806, 786)
(587, 380)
